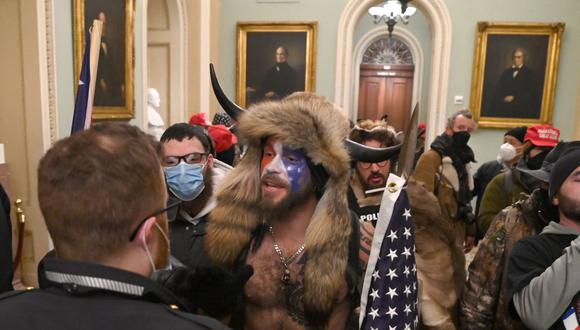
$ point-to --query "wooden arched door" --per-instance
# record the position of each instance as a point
(386, 82)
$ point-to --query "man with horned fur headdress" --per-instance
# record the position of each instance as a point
(284, 211)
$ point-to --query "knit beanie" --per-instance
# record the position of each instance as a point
(567, 163)
(517, 132)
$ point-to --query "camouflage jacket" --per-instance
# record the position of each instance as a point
(484, 304)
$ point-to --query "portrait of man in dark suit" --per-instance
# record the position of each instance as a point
(114, 78)
(280, 80)
(276, 65)
(517, 91)
(274, 60)
(109, 87)
(514, 76)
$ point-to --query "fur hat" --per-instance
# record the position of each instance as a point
(301, 121)
(374, 130)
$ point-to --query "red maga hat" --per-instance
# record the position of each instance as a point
(199, 119)
(542, 135)
(222, 137)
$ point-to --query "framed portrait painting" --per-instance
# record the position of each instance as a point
(274, 60)
(114, 88)
(514, 73)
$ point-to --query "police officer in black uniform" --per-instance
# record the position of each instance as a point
(103, 198)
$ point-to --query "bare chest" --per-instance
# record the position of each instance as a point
(269, 298)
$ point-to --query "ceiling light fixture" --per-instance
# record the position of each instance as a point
(392, 12)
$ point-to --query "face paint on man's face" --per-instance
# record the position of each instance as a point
(296, 168)
(272, 163)
(288, 165)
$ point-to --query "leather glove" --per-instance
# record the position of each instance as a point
(213, 289)
(218, 291)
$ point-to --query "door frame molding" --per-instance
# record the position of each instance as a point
(177, 94)
(366, 40)
(49, 101)
(440, 20)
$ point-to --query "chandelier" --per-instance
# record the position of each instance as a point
(392, 12)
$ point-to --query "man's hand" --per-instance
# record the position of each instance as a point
(366, 241)
(217, 290)
(212, 289)
(270, 94)
(469, 244)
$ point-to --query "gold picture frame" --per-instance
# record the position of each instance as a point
(114, 90)
(258, 74)
(514, 73)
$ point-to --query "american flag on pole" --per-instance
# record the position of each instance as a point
(86, 87)
(389, 295)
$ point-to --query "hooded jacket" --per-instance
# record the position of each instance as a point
(542, 282)
(301, 121)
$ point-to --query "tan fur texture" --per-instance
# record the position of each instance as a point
(374, 130)
(306, 121)
(440, 260)
(449, 172)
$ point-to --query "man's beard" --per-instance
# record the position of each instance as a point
(367, 185)
(193, 207)
(570, 208)
(273, 209)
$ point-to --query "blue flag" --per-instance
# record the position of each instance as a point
(79, 122)
(389, 295)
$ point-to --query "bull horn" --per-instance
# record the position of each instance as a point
(363, 153)
(232, 109)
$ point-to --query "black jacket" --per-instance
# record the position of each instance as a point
(482, 177)
(5, 243)
(77, 295)
(187, 240)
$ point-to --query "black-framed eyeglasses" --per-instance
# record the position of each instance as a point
(379, 164)
(192, 158)
(169, 207)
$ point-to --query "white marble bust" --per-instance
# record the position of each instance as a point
(156, 126)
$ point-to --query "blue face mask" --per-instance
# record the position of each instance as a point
(184, 180)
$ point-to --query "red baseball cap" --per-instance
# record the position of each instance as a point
(222, 137)
(199, 119)
(542, 135)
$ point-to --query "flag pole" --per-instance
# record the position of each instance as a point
(87, 79)
(96, 32)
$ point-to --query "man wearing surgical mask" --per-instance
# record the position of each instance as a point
(191, 174)
(508, 155)
(103, 198)
(511, 186)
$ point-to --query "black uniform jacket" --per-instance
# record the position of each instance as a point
(77, 295)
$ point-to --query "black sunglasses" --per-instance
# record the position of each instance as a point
(169, 207)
